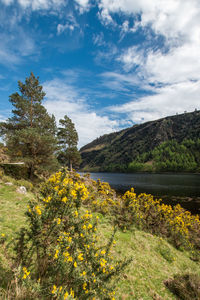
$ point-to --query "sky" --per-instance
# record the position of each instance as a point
(107, 64)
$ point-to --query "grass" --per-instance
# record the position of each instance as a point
(154, 259)
(12, 208)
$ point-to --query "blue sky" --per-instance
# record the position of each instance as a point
(107, 64)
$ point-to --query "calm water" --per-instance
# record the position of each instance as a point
(173, 188)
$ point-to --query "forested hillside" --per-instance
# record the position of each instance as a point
(148, 143)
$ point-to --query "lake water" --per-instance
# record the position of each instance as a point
(172, 188)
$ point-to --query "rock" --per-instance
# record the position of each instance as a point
(22, 190)
(9, 183)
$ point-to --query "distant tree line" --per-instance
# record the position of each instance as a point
(31, 134)
(170, 156)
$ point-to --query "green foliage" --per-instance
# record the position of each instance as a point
(1, 173)
(60, 250)
(16, 171)
(30, 132)
(68, 140)
(170, 156)
(135, 166)
(173, 156)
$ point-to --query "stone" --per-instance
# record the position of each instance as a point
(22, 190)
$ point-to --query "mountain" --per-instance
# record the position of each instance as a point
(115, 151)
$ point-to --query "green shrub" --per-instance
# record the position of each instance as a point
(185, 287)
(60, 252)
(1, 173)
(16, 171)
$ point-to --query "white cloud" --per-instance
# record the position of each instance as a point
(13, 48)
(132, 57)
(105, 17)
(98, 39)
(7, 2)
(62, 98)
(173, 70)
(41, 4)
(37, 4)
(168, 100)
(8, 58)
(70, 25)
(61, 28)
(83, 5)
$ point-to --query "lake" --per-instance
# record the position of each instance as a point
(172, 188)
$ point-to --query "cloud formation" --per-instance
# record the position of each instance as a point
(62, 98)
(172, 70)
(37, 4)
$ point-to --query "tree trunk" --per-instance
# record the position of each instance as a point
(30, 172)
(70, 165)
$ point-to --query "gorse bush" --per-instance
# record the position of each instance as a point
(179, 226)
(59, 253)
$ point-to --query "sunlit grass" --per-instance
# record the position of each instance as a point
(154, 259)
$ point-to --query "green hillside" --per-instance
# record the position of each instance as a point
(115, 151)
(154, 263)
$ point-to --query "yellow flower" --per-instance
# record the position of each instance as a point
(64, 199)
(26, 273)
(66, 295)
(58, 221)
(72, 293)
(80, 256)
(83, 274)
(75, 264)
(70, 259)
(89, 226)
(54, 289)
(56, 254)
(38, 210)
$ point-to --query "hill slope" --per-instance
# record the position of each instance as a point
(120, 148)
(154, 259)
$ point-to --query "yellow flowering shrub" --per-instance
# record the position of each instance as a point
(60, 248)
(178, 225)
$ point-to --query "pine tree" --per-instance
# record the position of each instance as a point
(68, 140)
(30, 132)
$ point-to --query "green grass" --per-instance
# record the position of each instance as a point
(12, 208)
(154, 259)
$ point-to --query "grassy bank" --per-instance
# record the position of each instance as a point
(154, 259)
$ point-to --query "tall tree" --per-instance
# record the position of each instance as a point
(68, 140)
(30, 132)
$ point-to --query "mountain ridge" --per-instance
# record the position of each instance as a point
(124, 146)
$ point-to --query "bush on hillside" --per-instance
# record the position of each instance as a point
(59, 254)
(185, 287)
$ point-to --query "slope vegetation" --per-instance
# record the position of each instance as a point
(113, 152)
